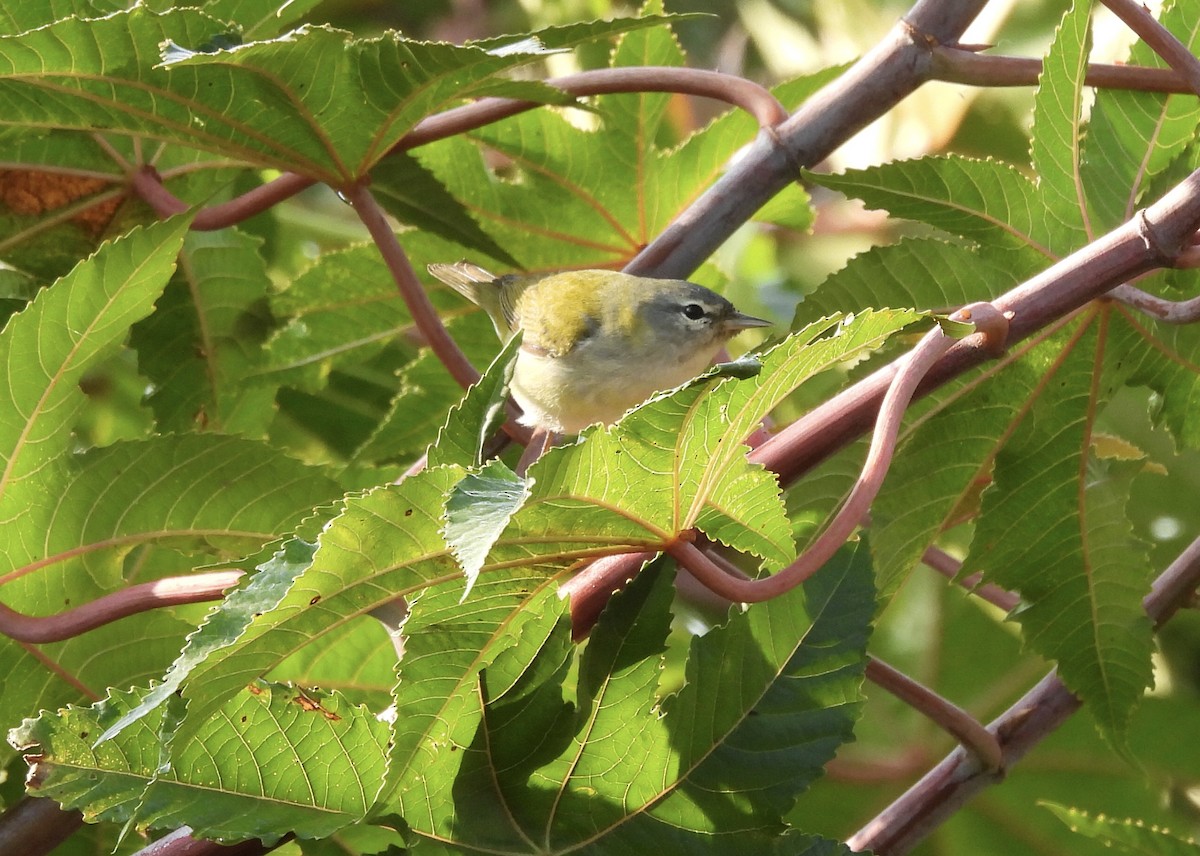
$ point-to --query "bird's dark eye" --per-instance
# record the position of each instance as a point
(693, 311)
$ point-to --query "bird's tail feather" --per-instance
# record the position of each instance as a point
(463, 277)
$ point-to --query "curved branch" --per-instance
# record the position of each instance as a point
(950, 717)
(424, 316)
(1153, 239)
(993, 326)
(170, 591)
(751, 97)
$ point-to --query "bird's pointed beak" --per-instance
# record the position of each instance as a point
(739, 321)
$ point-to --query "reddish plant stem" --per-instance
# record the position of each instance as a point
(424, 315)
(948, 566)
(948, 63)
(147, 184)
(746, 94)
(1174, 52)
(953, 64)
(181, 843)
(950, 717)
(251, 202)
(959, 776)
(1167, 311)
(540, 440)
(993, 326)
(590, 589)
(170, 591)
(35, 826)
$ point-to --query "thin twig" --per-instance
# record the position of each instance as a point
(948, 566)
(170, 591)
(1167, 311)
(950, 717)
(954, 65)
(1174, 52)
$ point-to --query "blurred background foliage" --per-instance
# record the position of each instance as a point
(932, 631)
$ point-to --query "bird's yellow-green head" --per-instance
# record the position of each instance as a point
(596, 343)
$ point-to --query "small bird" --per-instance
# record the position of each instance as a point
(596, 343)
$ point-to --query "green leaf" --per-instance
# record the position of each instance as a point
(512, 634)
(414, 195)
(274, 758)
(1058, 125)
(260, 19)
(766, 757)
(19, 17)
(1165, 360)
(478, 509)
(474, 421)
(1134, 136)
(942, 460)
(427, 394)
(297, 102)
(985, 201)
(1125, 836)
(777, 686)
(224, 626)
(204, 339)
(79, 321)
(342, 310)
(384, 545)
(1054, 528)
(135, 650)
(220, 497)
(922, 273)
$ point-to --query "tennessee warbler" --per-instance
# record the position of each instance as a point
(596, 343)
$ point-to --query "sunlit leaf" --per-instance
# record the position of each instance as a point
(1125, 836)
(274, 758)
